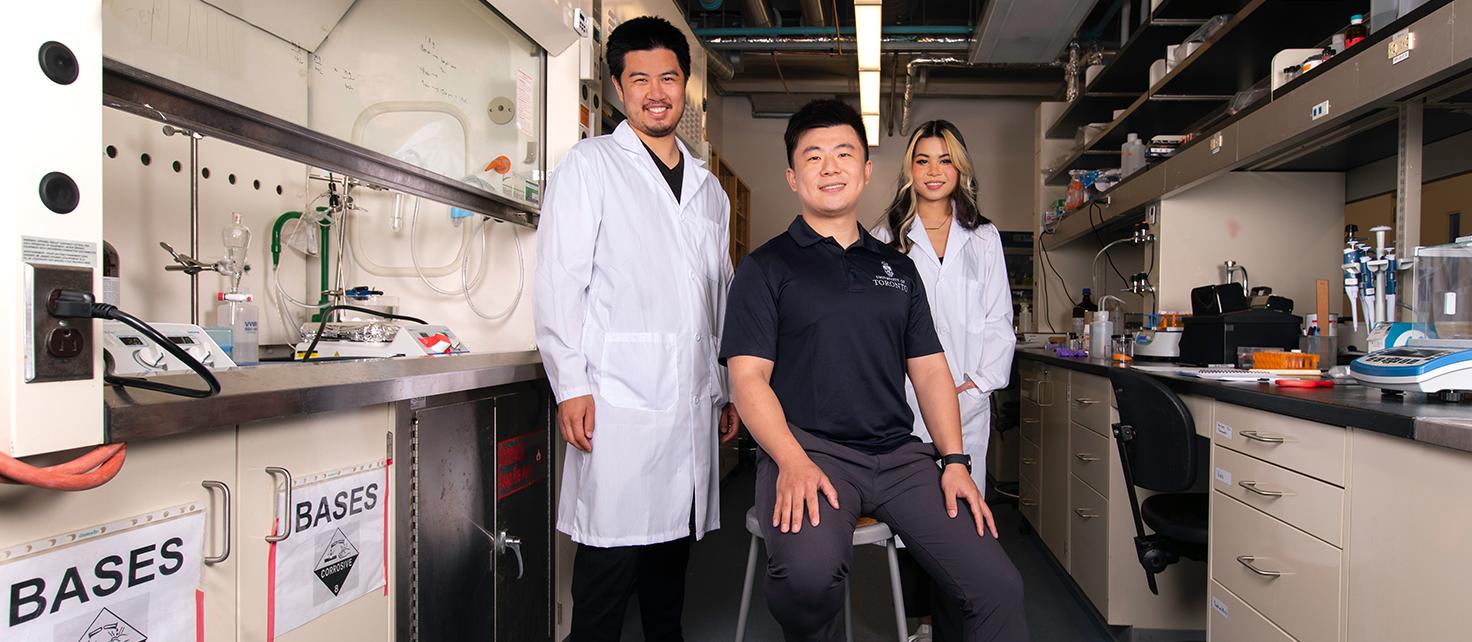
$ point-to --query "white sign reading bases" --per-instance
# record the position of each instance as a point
(133, 581)
(335, 553)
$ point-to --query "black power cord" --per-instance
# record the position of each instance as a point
(312, 347)
(76, 304)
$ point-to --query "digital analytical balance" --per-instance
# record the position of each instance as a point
(379, 339)
(1441, 362)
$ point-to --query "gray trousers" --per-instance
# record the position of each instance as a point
(806, 570)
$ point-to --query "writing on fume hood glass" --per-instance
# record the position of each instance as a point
(440, 84)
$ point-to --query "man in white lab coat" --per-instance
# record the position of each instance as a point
(631, 277)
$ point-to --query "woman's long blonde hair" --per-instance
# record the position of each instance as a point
(901, 213)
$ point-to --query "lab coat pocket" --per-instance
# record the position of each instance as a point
(639, 370)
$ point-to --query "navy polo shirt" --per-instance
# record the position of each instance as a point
(838, 325)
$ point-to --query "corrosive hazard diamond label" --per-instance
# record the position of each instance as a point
(108, 627)
(336, 562)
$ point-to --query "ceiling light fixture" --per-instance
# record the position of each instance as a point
(868, 27)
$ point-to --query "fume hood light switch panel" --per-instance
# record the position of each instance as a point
(56, 349)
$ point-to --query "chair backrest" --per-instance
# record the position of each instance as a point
(1162, 453)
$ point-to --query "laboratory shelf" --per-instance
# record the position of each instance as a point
(1192, 96)
(1189, 9)
(1149, 116)
(1129, 70)
(1375, 137)
(1287, 133)
(1241, 53)
(1092, 107)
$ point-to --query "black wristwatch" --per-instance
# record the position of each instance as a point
(956, 458)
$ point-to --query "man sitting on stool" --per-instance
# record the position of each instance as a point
(822, 324)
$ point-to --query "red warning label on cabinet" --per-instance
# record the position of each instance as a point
(520, 463)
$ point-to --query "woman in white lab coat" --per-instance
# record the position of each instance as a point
(935, 219)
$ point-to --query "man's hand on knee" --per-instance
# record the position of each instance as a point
(798, 484)
(956, 483)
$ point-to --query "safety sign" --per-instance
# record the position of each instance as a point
(128, 581)
(336, 546)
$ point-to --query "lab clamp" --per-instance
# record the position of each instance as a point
(1140, 281)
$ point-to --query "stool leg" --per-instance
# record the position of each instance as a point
(746, 591)
(894, 587)
(848, 610)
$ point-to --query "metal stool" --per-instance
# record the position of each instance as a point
(867, 531)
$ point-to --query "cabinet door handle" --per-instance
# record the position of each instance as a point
(1029, 502)
(274, 537)
(1031, 420)
(1266, 438)
(1252, 487)
(1085, 513)
(225, 510)
(1083, 401)
(1086, 457)
(1028, 461)
(505, 542)
(1248, 561)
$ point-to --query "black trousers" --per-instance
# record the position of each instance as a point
(924, 598)
(807, 570)
(604, 578)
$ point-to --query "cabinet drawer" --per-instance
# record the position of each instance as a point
(1231, 620)
(1029, 501)
(1088, 403)
(1031, 424)
(1088, 546)
(1314, 449)
(1089, 459)
(1284, 573)
(1027, 462)
(1305, 502)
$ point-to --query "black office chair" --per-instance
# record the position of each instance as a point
(1157, 451)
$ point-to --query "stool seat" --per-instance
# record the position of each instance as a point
(866, 531)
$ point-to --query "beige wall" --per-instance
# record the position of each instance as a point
(997, 133)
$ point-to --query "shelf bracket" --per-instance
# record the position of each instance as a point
(1408, 177)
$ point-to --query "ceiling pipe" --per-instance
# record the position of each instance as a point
(756, 14)
(813, 14)
(717, 65)
(917, 63)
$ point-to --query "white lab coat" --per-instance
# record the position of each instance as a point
(971, 302)
(629, 297)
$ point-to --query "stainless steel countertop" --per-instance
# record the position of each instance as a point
(1408, 416)
(275, 390)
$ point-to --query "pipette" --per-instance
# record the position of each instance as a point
(1351, 269)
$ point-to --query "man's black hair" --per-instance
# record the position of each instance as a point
(824, 112)
(646, 33)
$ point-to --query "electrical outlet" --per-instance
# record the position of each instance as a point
(56, 349)
(1319, 111)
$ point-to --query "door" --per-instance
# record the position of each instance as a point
(482, 521)
(523, 514)
(158, 474)
(305, 446)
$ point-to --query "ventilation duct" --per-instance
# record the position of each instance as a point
(756, 14)
(1027, 31)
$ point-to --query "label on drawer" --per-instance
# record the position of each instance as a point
(1224, 431)
(135, 579)
(337, 549)
(1224, 476)
(1219, 606)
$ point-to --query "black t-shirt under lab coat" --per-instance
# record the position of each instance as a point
(838, 325)
(674, 176)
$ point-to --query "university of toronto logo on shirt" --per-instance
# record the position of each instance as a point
(889, 280)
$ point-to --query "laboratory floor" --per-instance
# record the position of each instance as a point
(1055, 609)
